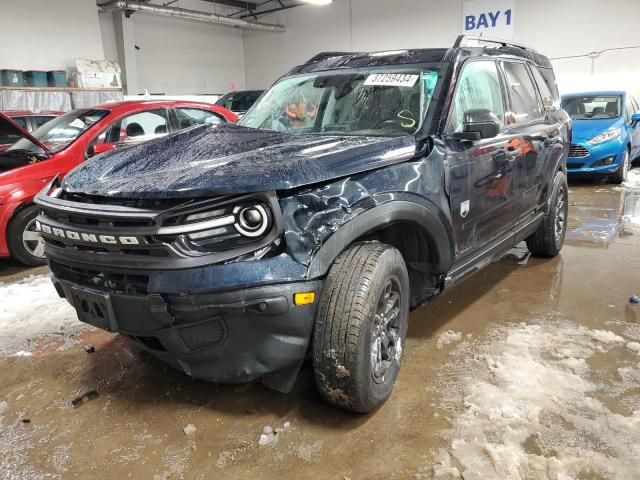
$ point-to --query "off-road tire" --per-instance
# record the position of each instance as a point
(15, 230)
(548, 239)
(621, 174)
(348, 312)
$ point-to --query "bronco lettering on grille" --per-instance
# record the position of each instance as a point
(88, 237)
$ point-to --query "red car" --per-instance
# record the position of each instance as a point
(63, 143)
(28, 120)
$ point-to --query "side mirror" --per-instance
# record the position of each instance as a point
(635, 119)
(478, 125)
(102, 148)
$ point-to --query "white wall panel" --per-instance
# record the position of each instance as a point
(555, 27)
(48, 34)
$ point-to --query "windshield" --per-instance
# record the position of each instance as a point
(377, 101)
(593, 107)
(60, 132)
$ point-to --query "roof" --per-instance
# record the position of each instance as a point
(29, 113)
(595, 93)
(340, 60)
(126, 105)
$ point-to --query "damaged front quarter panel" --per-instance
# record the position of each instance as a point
(313, 215)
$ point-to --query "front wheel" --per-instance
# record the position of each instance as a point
(361, 325)
(548, 239)
(621, 174)
(25, 242)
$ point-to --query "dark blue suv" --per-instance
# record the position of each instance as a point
(360, 186)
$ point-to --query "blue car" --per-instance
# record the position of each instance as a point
(606, 134)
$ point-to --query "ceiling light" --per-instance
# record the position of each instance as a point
(318, 2)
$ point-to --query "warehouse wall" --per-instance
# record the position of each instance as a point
(179, 56)
(182, 57)
(380, 25)
(48, 35)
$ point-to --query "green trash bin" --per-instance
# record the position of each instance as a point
(35, 78)
(11, 78)
(57, 78)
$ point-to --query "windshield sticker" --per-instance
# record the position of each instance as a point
(391, 80)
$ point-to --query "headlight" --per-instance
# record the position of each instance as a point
(606, 136)
(248, 220)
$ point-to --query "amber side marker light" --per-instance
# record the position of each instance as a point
(305, 298)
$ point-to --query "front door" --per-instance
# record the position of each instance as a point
(481, 173)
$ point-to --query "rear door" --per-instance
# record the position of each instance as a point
(481, 172)
(535, 136)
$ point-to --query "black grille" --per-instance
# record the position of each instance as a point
(145, 203)
(100, 280)
(578, 151)
(155, 233)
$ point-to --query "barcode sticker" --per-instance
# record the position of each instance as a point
(391, 80)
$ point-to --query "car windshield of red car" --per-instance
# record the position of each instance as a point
(60, 132)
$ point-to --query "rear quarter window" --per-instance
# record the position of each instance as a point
(550, 81)
(549, 100)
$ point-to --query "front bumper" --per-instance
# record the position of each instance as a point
(229, 337)
(589, 165)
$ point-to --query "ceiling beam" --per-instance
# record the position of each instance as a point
(235, 4)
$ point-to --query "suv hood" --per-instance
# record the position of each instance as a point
(230, 159)
(587, 129)
(8, 126)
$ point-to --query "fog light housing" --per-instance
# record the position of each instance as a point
(604, 162)
(304, 298)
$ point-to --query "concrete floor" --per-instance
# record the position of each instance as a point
(530, 369)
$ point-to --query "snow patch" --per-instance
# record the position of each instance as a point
(607, 337)
(634, 346)
(190, 429)
(31, 308)
(633, 179)
(448, 338)
(523, 404)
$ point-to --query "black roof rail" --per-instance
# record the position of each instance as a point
(323, 55)
(466, 40)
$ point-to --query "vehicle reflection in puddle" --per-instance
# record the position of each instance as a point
(604, 216)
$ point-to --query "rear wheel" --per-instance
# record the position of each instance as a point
(361, 326)
(548, 239)
(25, 242)
(621, 174)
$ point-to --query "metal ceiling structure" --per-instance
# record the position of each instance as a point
(131, 6)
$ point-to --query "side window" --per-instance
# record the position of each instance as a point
(227, 101)
(630, 109)
(548, 100)
(188, 117)
(524, 100)
(478, 88)
(243, 101)
(140, 126)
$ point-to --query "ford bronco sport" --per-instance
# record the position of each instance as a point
(360, 186)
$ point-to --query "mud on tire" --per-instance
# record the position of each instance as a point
(360, 327)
